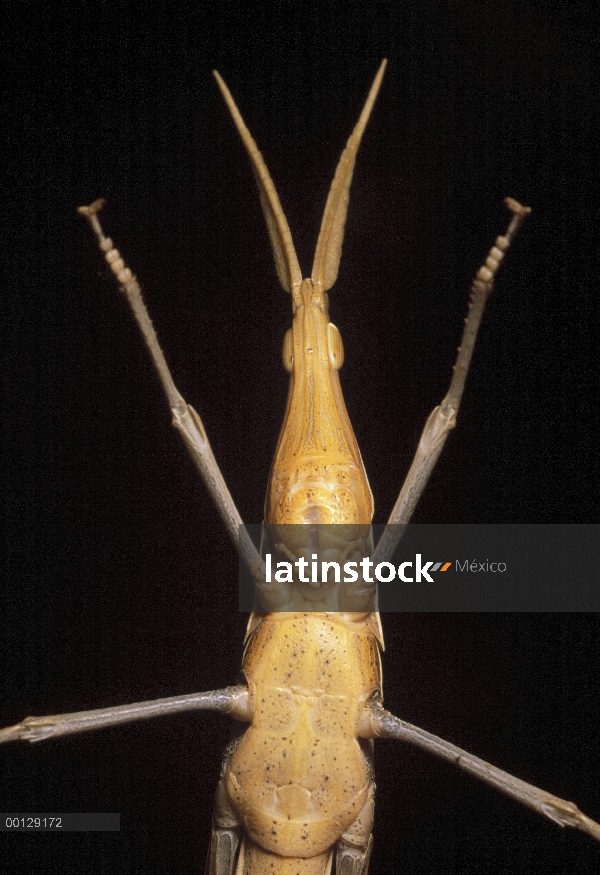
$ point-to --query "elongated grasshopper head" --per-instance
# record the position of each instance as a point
(318, 496)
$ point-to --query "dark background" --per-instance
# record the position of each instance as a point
(119, 583)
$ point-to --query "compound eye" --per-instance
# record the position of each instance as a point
(287, 353)
(335, 346)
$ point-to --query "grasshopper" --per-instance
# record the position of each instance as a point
(296, 792)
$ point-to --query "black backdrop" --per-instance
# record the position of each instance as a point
(119, 583)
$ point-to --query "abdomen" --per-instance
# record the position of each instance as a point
(300, 776)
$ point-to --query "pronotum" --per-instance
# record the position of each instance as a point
(296, 821)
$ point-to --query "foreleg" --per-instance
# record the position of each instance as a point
(442, 419)
(185, 418)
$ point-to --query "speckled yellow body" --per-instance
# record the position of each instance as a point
(300, 776)
(298, 785)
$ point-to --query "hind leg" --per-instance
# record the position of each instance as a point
(226, 826)
(353, 848)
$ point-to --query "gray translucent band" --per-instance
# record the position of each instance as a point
(440, 567)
